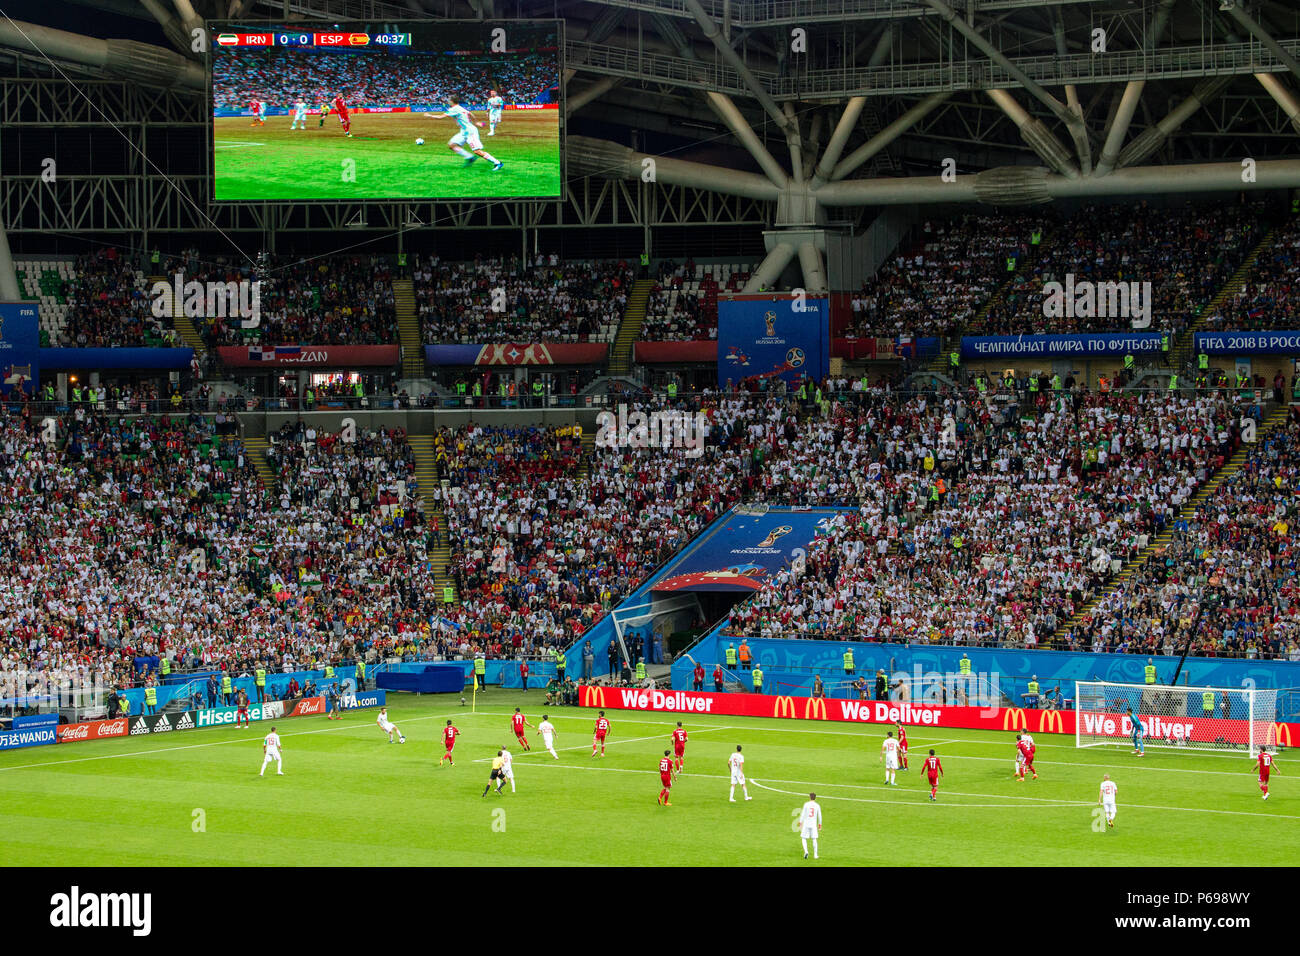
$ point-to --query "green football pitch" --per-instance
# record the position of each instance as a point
(381, 160)
(348, 797)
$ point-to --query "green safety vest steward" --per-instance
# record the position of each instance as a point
(1056, 383)
(448, 594)
(329, 671)
(165, 666)
(151, 696)
(672, 389)
(1164, 343)
(480, 666)
(848, 660)
(460, 388)
(1173, 381)
(731, 657)
(360, 670)
(979, 383)
(1128, 361)
(537, 389)
(225, 685)
(758, 678)
(1033, 687)
(401, 258)
(645, 259)
(1295, 389)
(640, 670)
(1150, 672)
(954, 359)
(1033, 383)
(478, 389)
(964, 666)
(261, 677)
(1036, 237)
(1202, 361)
(560, 662)
(1011, 264)
(1207, 700)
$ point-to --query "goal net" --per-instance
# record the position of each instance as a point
(1192, 718)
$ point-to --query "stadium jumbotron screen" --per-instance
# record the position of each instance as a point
(421, 110)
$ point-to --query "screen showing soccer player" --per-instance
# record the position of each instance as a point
(408, 111)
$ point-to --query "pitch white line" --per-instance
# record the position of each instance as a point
(610, 743)
(812, 786)
(962, 806)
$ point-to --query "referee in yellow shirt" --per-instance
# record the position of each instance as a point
(497, 762)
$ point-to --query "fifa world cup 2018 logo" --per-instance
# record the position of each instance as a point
(774, 534)
(770, 319)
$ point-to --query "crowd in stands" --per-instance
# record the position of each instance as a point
(998, 538)
(282, 77)
(1268, 297)
(1187, 253)
(1227, 581)
(495, 300)
(951, 268)
(339, 300)
(109, 305)
(683, 305)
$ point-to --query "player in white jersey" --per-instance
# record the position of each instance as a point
(387, 726)
(299, 115)
(508, 768)
(737, 764)
(271, 751)
(810, 824)
(261, 112)
(889, 754)
(546, 730)
(1107, 799)
(495, 103)
(468, 135)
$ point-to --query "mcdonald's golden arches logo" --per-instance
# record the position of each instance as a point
(783, 706)
(595, 696)
(1051, 722)
(1282, 735)
(814, 709)
(1013, 718)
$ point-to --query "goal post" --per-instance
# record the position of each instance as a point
(1188, 718)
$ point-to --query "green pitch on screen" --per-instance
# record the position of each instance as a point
(381, 159)
(350, 797)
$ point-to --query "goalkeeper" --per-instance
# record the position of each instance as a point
(1139, 733)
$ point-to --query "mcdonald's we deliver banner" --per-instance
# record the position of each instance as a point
(913, 714)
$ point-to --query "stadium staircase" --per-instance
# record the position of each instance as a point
(1157, 544)
(588, 449)
(256, 448)
(939, 364)
(620, 360)
(1182, 349)
(408, 329)
(426, 479)
(184, 326)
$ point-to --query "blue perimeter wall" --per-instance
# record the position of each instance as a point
(499, 673)
(788, 663)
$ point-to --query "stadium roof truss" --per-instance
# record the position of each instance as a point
(770, 112)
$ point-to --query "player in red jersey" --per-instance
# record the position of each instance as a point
(1024, 758)
(449, 735)
(1265, 762)
(902, 742)
(342, 109)
(933, 770)
(518, 723)
(679, 748)
(602, 729)
(666, 778)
